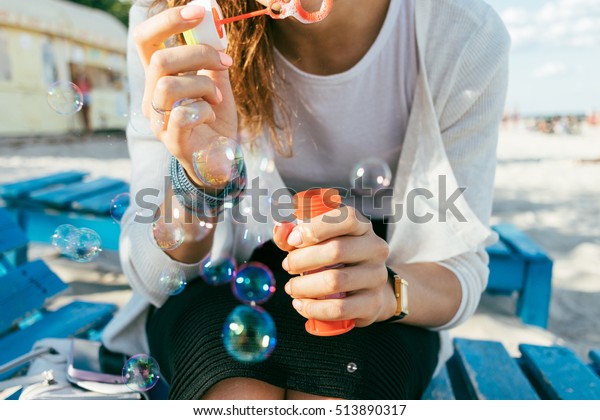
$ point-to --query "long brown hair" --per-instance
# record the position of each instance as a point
(253, 73)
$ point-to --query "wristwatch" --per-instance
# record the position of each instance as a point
(401, 292)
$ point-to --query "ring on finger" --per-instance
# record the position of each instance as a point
(158, 110)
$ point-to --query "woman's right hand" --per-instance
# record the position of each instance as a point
(196, 72)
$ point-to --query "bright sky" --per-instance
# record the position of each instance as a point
(555, 59)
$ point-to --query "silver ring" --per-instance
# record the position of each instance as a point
(157, 109)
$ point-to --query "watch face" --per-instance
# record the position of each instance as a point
(404, 296)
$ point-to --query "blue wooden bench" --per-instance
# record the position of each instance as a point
(483, 370)
(26, 289)
(519, 266)
(41, 204)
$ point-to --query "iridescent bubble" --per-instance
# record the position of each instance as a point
(63, 236)
(370, 175)
(187, 111)
(249, 334)
(118, 205)
(218, 162)
(172, 281)
(141, 372)
(84, 246)
(168, 234)
(254, 283)
(218, 271)
(65, 98)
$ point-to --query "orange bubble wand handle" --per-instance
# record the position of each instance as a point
(244, 16)
(309, 204)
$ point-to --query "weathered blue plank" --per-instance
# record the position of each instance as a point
(490, 373)
(558, 373)
(25, 289)
(70, 320)
(533, 304)
(12, 237)
(519, 241)
(507, 269)
(101, 203)
(440, 387)
(63, 197)
(595, 358)
(23, 188)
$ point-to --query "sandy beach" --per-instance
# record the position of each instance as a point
(542, 186)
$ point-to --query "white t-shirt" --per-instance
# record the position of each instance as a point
(324, 150)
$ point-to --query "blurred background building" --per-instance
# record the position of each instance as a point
(47, 41)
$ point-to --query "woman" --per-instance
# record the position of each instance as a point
(418, 84)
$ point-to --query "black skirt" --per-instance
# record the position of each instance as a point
(387, 360)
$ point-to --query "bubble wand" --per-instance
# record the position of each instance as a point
(212, 31)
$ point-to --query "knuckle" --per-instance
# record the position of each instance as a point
(336, 309)
(165, 86)
(381, 275)
(333, 280)
(382, 249)
(159, 61)
(335, 251)
(139, 34)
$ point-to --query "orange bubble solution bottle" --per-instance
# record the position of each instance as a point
(309, 204)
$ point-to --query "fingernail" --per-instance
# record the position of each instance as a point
(288, 288)
(285, 264)
(295, 238)
(226, 60)
(192, 12)
(219, 94)
(297, 304)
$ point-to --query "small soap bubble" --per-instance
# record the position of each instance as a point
(118, 205)
(370, 175)
(218, 162)
(249, 334)
(254, 283)
(168, 235)
(218, 271)
(141, 373)
(85, 246)
(351, 368)
(187, 111)
(65, 98)
(63, 236)
(172, 281)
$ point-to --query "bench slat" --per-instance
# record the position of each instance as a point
(70, 320)
(11, 235)
(490, 373)
(63, 197)
(101, 203)
(517, 239)
(440, 387)
(25, 289)
(22, 189)
(559, 373)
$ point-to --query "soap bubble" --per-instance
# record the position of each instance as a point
(187, 111)
(249, 334)
(218, 162)
(172, 281)
(254, 283)
(218, 271)
(81, 245)
(370, 175)
(141, 372)
(118, 205)
(65, 98)
(63, 236)
(86, 247)
(168, 235)
(351, 367)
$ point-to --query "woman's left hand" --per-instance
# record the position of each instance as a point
(341, 236)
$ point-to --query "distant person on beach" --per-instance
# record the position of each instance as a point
(85, 86)
(417, 84)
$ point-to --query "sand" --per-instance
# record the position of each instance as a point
(541, 186)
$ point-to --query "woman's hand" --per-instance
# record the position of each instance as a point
(345, 237)
(195, 72)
